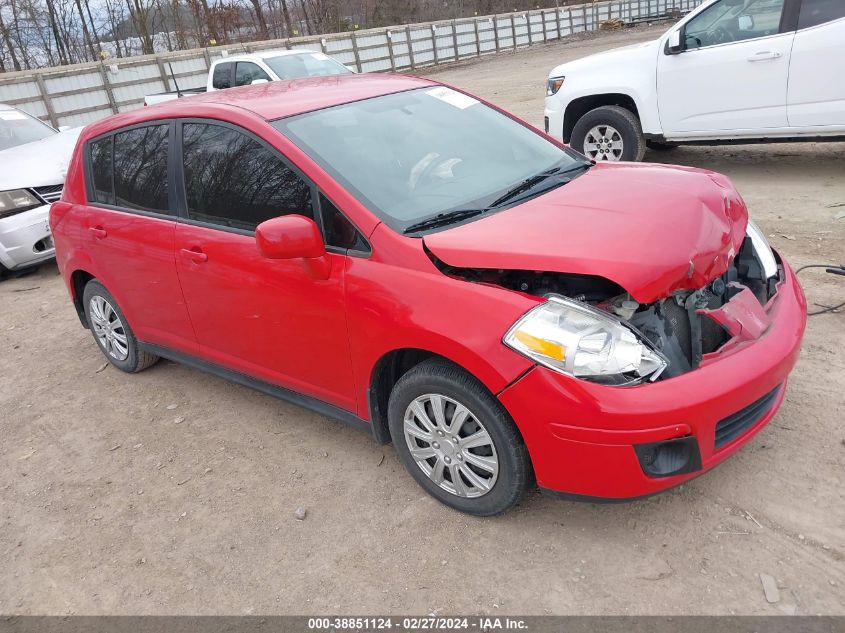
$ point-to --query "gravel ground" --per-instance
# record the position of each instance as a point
(174, 492)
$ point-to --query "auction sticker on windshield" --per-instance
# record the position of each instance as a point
(452, 97)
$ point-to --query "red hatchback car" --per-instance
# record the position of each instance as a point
(416, 262)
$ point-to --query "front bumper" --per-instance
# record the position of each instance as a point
(25, 238)
(553, 116)
(581, 435)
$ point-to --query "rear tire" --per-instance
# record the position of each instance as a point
(468, 453)
(111, 331)
(609, 133)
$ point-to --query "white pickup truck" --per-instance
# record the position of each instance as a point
(732, 71)
(255, 68)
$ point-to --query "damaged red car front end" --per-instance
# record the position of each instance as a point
(680, 264)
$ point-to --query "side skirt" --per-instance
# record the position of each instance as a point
(307, 402)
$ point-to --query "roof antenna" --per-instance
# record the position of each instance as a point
(173, 77)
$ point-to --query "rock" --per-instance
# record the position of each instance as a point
(658, 570)
(770, 588)
(178, 420)
(170, 407)
(300, 513)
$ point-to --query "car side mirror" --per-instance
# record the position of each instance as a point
(255, 82)
(293, 237)
(745, 23)
(674, 44)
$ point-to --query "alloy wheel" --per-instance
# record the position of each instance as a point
(108, 328)
(603, 142)
(450, 445)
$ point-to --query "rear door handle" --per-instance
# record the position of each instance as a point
(765, 55)
(195, 255)
(98, 231)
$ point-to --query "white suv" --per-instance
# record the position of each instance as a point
(732, 71)
(33, 163)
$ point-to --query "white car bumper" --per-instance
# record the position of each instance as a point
(553, 116)
(25, 238)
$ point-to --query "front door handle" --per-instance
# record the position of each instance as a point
(98, 231)
(765, 55)
(195, 255)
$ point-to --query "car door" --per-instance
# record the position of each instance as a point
(731, 73)
(131, 228)
(816, 94)
(271, 319)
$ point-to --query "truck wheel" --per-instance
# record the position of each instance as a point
(111, 330)
(659, 146)
(457, 440)
(609, 133)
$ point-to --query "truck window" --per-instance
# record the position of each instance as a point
(233, 180)
(733, 21)
(222, 78)
(140, 168)
(247, 72)
(101, 171)
(815, 12)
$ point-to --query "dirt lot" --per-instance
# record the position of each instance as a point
(114, 501)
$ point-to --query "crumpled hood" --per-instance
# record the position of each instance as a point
(38, 163)
(651, 229)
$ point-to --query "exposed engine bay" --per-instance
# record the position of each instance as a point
(683, 327)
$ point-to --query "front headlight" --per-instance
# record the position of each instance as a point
(575, 339)
(553, 85)
(762, 250)
(17, 201)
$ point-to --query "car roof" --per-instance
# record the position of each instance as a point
(267, 54)
(278, 99)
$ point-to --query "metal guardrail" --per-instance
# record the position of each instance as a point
(82, 93)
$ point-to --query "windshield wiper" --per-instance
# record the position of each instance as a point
(530, 183)
(442, 219)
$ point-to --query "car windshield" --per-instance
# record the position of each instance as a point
(305, 65)
(17, 128)
(414, 155)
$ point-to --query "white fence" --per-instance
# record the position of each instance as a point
(78, 94)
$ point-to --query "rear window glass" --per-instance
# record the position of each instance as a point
(222, 76)
(140, 168)
(101, 171)
(815, 12)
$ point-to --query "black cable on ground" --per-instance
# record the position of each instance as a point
(834, 269)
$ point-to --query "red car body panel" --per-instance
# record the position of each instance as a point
(210, 294)
(582, 228)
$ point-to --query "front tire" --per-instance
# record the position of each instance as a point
(457, 441)
(609, 133)
(111, 331)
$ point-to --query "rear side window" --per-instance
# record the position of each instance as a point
(222, 78)
(815, 12)
(140, 168)
(101, 171)
(247, 72)
(233, 180)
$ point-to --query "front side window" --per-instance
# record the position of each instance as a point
(233, 180)
(734, 21)
(102, 170)
(305, 65)
(412, 155)
(340, 232)
(247, 72)
(140, 168)
(222, 78)
(815, 12)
